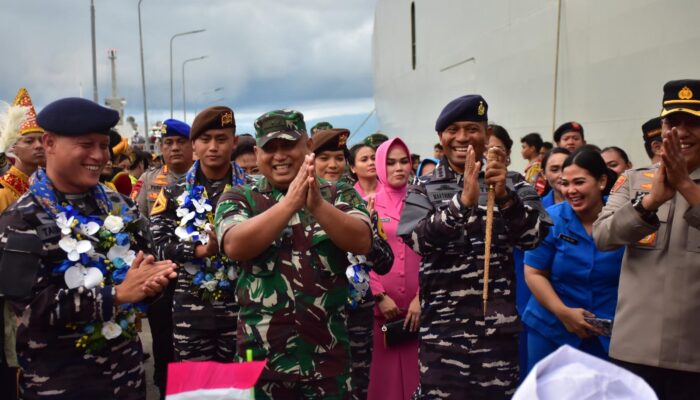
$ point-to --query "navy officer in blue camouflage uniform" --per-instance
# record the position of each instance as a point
(204, 305)
(73, 268)
(464, 352)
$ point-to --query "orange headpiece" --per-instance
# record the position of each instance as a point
(29, 125)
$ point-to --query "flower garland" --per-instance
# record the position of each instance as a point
(358, 279)
(212, 276)
(99, 253)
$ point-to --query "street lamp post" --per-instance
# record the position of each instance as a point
(171, 63)
(94, 59)
(143, 80)
(184, 97)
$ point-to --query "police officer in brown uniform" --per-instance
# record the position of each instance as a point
(651, 132)
(655, 213)
(177, 153)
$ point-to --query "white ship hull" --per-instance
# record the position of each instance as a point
(613, 58)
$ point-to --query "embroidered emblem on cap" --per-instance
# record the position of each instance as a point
(226, 119)
(685, 93)
(342, 140)
(481, 110)
(164, 128)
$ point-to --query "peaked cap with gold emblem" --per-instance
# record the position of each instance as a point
(681, 96)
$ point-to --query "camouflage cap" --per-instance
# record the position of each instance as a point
(375, 139)
(320, 126)
(279, 124)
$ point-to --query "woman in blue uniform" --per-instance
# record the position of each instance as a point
(569, 278)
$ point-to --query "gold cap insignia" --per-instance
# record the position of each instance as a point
(343, 139)
(685, 93)
(164, 128)
(226, 119)
(481, 110)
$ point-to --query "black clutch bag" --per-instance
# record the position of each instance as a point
(394, 333)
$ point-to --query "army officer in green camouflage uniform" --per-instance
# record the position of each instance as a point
(290, 234)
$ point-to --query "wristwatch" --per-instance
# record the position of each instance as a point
(379, 297)
(647, 215)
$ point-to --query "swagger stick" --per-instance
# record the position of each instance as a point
(490, 201)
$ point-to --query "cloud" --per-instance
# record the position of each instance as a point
(265, 53)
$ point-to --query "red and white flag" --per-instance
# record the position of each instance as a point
(209, 380)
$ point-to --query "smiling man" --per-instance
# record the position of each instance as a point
(69, 267)
(655, 213)
(176, 148)
(204, 307)
(465, 353)
(290, 233)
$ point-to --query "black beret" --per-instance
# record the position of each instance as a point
(651, 130)
(681, 96)
(218, 117)
(571, 126)
(330, 140)
(471, 107)
(74, 116)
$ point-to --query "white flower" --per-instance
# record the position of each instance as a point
(185, 215)
(210, 285)
(64, 223)
(232, 274)
(77, 276)
(200, 223)
(219, 275)
(90, 228)
(181, 232)
(74, 248)
(131, 318)
(114, 224)
(181, 198)
(201, 205)
(111, 330)
(191, 269)
(122, 252)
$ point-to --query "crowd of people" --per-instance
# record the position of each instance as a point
(355, 272)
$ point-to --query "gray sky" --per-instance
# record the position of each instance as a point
(312, 55)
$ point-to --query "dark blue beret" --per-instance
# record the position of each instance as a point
(471, 107)
(74, 116)
(173, 127)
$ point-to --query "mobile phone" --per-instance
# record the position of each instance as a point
(604, 325)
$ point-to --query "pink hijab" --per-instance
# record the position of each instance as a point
(394, 194)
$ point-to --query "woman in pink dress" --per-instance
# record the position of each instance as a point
(364, 169)
(394, 370)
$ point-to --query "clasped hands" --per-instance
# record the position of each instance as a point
(145, 278)
(672, 175)
(304, 191)
(495, 175)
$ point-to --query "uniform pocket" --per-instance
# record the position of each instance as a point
(657, 240)
(693, 241)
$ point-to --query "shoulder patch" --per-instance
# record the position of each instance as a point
(618, 183)
(161, 203)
